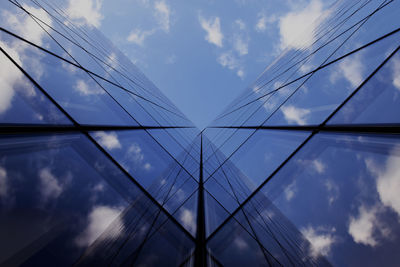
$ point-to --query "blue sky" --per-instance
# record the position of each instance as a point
(201, 54)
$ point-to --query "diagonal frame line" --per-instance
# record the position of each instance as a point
(141, 188)
(313, 133)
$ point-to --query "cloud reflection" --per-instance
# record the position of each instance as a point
(99, 219)
(3, 183)
(50, 187)
(108, 140)
(321, 240)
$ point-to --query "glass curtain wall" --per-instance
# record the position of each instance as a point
(98, 167)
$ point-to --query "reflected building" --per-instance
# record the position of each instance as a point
(98, 167)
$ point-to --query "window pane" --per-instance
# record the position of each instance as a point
(378, 101)
(330, 86)
(59, 194)
(71, 87)
(21, 101)
(342, 189)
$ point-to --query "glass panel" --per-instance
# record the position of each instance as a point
(138, 154)
(59, 195)
(330, 86)
(215, 213)
(180, 192)
(222, 193)
(187, 214)
(147, 232)
(234, 246)
(227, 142)
(262, 154)
(138, 219)
(167, 247)
(70, 86)
(278, 236)
(342, 189)
(378, 101)
(269, 104)
(20, 100)
(183, 156)
(17, 21)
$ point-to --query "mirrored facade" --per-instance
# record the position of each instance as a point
(99, 168)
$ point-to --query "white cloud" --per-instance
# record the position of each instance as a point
(241, 45)
(179, 194)
(23, 25)
(112, 60)
(49, 185)
(290, 191)
(387, 180)
(388, 184)
(361, 228)
(135, 151)
(10, 76)
(240, 243)
(3, 183)
(213, 29)
(240, 73)
(108, 140)
(305, 68)
(85, 12)
(333, 191)
(240, 39)
(396, 71)
(147, 166)
(85, 89)
(240, 24)
(321, 240)
(136, 155)
(297, 28)
(261, 25)
(319, 166)
(138, 36)
(188, 220)
(351, 69)
(98, 220)
(228, 60)
(163, 15)
(296, 115)
(99, 187)
(263, 21)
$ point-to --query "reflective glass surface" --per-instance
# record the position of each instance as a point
(61, 202)
(341, 189)
(21, 101)
(99, 168)
(377, 101)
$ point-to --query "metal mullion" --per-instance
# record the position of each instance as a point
(6, 128)
(76, 43)
(141, 188)
(346, 128)
(200, 257)
(248, 221)
(362, 21)
(152, 233)
(317, 69)
(81, 67)
(312, 73)
(304, 142)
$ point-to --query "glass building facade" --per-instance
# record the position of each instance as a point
(99, 168)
